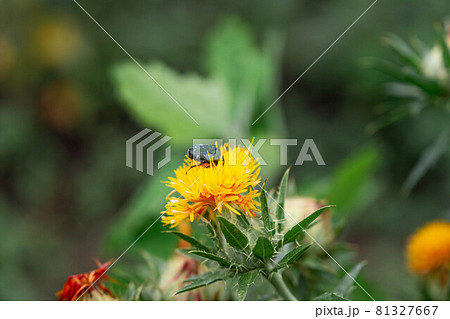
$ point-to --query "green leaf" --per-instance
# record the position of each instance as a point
(233, 57)
(280, 201)
(429, 86)
(138, 214)
(242, 219)
(347, 284)
(191, 240)
(245, 280)
(292, 234)
(267, 220)
(233, 235)
(351, 178)
(263, 248)
(209, 226)
(202, 281)
(221, 261)
(133, 292)
(292, 256)
(387, 67)
(328, 296)
(429, 157)
(316, 264)
(152, 107)
(404, 51)
(408, 75)
(212, 233)
(442, 35)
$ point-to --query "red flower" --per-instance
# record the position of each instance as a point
(86, 284)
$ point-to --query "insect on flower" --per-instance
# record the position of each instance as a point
(203, 154)
(226, 184)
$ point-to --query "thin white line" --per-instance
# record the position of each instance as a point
(321, 247)
(137, 63)
(129, 247)
(315, 61)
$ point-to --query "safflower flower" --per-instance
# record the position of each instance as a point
(208, 189)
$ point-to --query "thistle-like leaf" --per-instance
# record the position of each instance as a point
(292, 234)
(267, 220)
(191, 240)
(245, 281)
(234, 237)
(263, 248)
(212, 233)
(221, 261)
(242, 219)
(209, 226)
(280, 201)
(292, 256)
(202, 281)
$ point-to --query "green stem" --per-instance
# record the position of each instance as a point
(277, 281)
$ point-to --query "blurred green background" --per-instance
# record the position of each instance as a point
(70, 98)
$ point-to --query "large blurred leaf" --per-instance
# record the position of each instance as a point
(350, 179)
(140, 212)
(207, 101)
(233, 57)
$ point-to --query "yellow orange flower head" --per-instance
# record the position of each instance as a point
(208, 189)
(429, 248)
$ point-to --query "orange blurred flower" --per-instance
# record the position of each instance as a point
(428, 249)
(87, 285)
